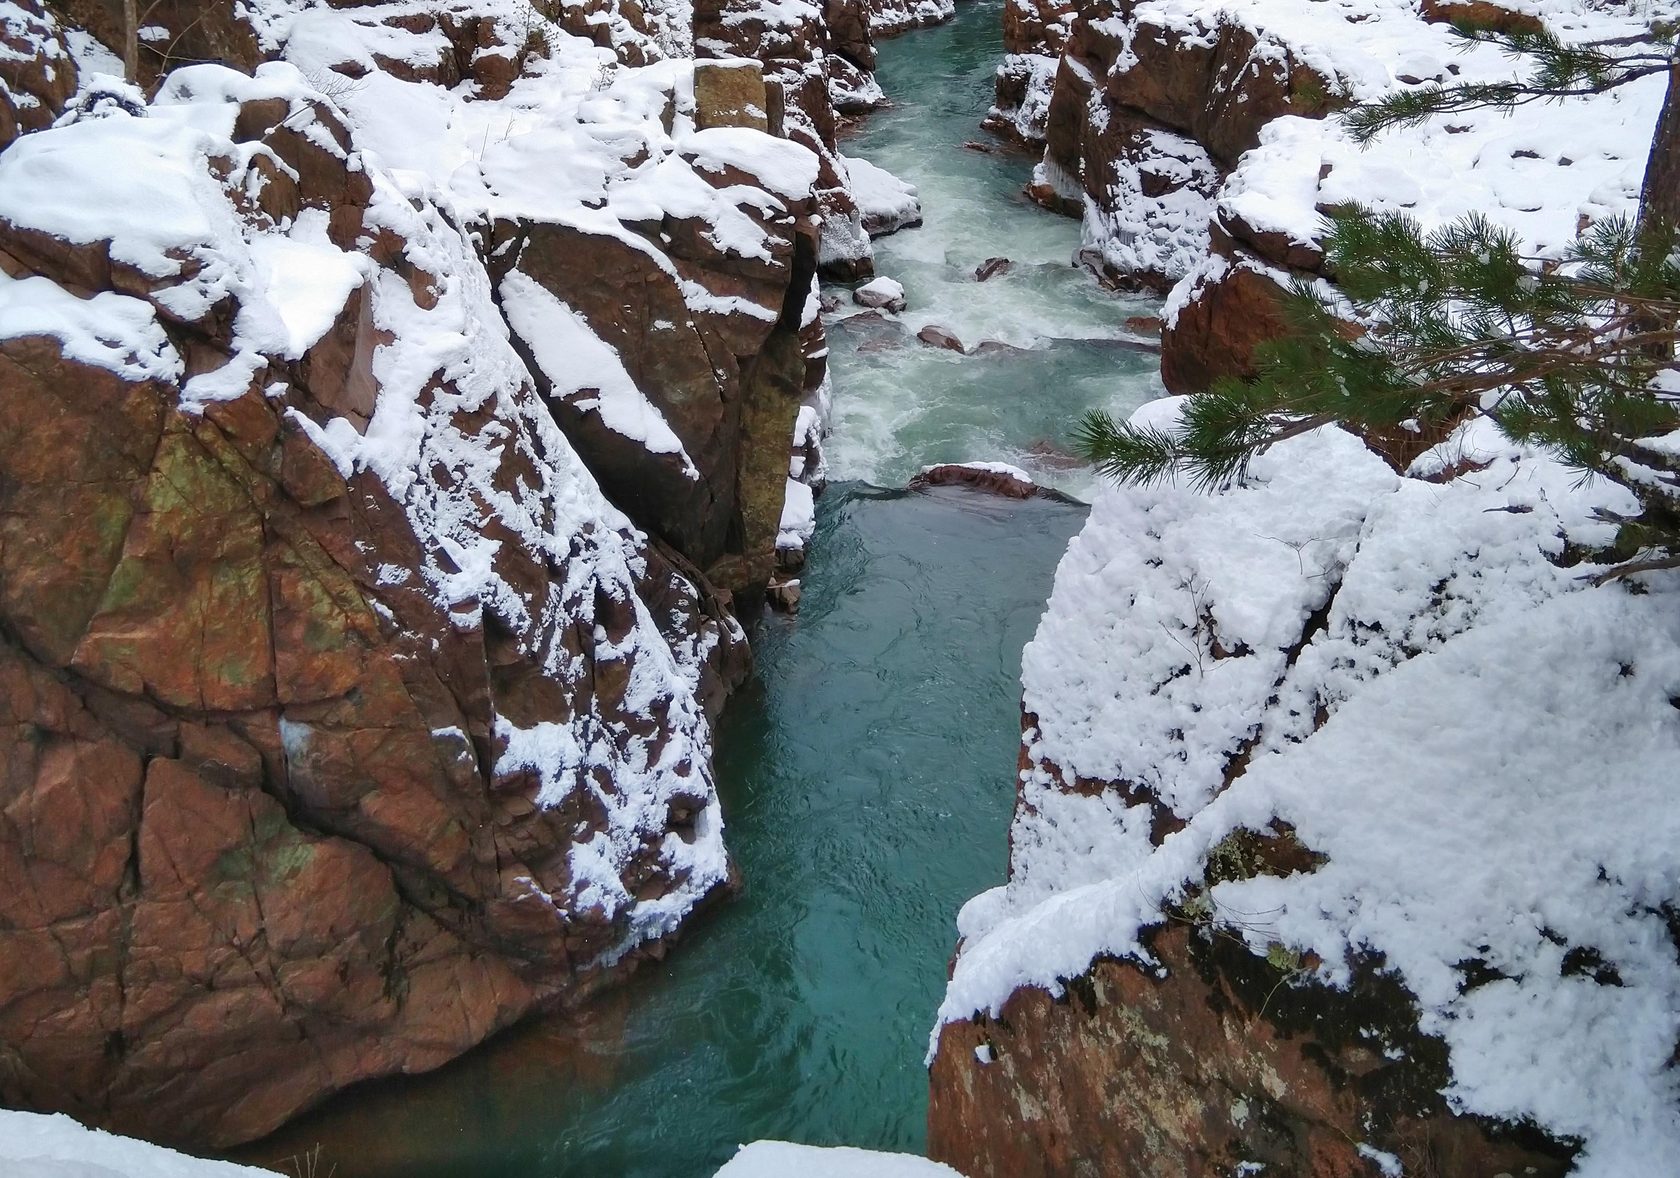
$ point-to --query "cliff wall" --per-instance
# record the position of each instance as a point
(395, 407)
(1338, 842)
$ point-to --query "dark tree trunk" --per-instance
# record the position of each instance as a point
(1659, 200)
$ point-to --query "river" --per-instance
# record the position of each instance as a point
(867, 772)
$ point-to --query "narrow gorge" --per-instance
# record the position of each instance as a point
(556, 618)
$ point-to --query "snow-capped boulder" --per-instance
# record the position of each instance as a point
(887, 203)
(884, 293)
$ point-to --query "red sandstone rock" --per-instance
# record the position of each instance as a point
(257, 836)
(976, 478)
(1212, 1061)
(1216, 332)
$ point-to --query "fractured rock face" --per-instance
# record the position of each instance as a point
(1201, 1066)
(730, 94)
(347, 719)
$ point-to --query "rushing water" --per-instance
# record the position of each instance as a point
(900, 403)
(867, 773)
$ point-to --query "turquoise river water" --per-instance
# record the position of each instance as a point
(867, 773)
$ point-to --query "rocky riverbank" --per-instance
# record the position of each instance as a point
(377, 497)
(1341, 801)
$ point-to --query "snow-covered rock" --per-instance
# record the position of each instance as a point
(1351, 774)
(36, 1146)
(1145, 112)
(782, 1159)
(884, 293)
(887, 203)
(890, 17)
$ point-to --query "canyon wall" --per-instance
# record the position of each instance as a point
(398, 401)
(1339, 836)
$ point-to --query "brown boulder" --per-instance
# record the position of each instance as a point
(730, 93)
(1480, 14)
(937, 337)
(975, 478)
(1215, 333)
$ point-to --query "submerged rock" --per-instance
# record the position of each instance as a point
(991, 268)
(936, 336)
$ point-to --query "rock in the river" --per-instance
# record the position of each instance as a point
(994, 478)
(783, 595)
(886, 294)
(887, 203)
(991, 268)
(936, 336)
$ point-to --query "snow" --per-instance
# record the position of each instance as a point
(799, 516)
(309, 280)
(109, 331)
(782, 166)
(883, 292)
(781, 1159)
(36, 1146)
(886, 202)
(585, 370)
(1434, 696)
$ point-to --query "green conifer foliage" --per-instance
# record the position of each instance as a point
(1573, 355)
